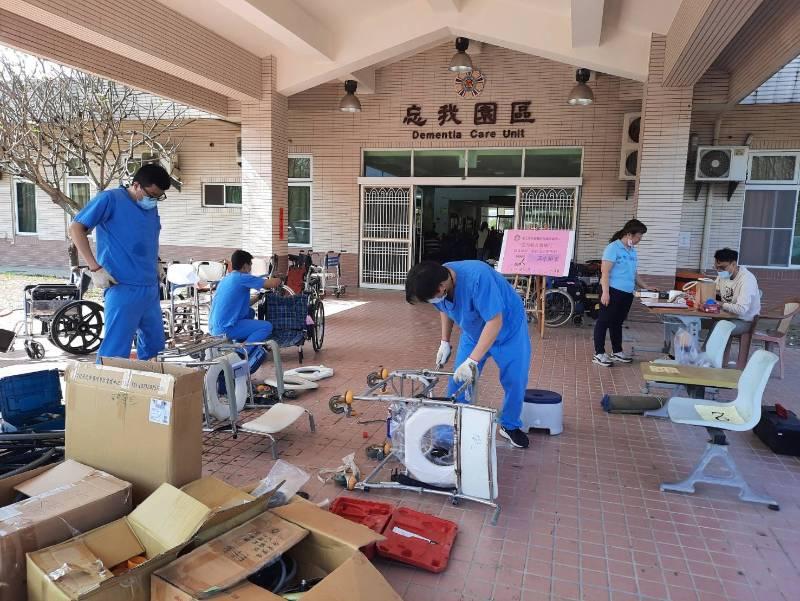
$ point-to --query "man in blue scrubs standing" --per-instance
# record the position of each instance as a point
(493, 323)
(231, 315)
(126, 267)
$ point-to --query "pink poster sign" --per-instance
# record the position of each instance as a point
(537, 252)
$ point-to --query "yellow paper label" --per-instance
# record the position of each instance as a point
(664, 369)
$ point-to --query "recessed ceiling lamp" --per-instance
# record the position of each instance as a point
(350, 102)
(581, 94)
(461, 62)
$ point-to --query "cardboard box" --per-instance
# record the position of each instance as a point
(138, 420)
(160, 528)
(62, 499)
(324, 546)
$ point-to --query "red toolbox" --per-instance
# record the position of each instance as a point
(403, 543)
(372, 514)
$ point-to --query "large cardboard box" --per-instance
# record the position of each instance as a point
(324, 546)
(138, 420)
(61, 500)
(160, 528)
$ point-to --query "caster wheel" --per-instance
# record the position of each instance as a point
(577, 320)
(366, 489)
(454, 501)
(373, 378)
(290, 395)
(774, 507)
(336, 404)
(34, 350)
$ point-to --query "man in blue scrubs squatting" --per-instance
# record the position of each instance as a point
(126, 267)
(231, 315)
(493, 323)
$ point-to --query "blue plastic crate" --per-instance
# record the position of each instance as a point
(32, 401)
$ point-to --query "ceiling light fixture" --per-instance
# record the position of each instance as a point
(350, 102)
(461, 62)
(581, 94)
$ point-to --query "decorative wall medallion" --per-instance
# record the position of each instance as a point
(469, 85)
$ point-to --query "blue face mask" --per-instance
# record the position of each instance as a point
(147, 203)
(724, 275)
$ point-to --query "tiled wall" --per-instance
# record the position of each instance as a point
(337, 139)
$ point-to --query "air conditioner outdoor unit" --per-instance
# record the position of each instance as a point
(721, 164)
(629, 150)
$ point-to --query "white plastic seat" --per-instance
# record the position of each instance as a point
(740, 415)
(278, 417)
(210, 271)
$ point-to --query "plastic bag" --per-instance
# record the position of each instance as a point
(686, 349)
(293, 479)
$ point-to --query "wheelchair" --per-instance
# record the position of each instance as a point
(72, 324)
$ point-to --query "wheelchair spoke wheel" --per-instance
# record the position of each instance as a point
(558, 308)
(77, 327)
(318, 332)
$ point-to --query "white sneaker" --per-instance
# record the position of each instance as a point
(621, 357)
(602, 359)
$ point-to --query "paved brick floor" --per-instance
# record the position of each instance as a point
(582, 516)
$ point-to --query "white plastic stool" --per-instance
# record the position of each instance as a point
(278, 417)
(543, 409)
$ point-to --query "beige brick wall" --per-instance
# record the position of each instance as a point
(336, 139)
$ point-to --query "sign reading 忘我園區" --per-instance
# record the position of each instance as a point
(537, 252)
(484, 113)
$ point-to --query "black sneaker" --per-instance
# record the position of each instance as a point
(517, 437)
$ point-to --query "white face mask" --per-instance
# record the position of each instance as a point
(437, 299)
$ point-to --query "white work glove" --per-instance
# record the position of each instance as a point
(466, 371)
(102, 279)
(443, 354)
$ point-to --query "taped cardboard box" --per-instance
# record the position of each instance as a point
(62, 501)
(154, 534)
(138, 420)
(322, 544)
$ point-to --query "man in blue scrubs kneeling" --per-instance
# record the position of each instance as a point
(493, 323)
(128, 226)
(231, 315)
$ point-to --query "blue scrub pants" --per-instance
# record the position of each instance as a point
(128, 311)
(513, 357)
(251, 330)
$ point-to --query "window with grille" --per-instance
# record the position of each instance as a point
(543, 208)
(222, 195)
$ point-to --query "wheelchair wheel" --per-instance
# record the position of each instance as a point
(77, 327)
(317, 312)
(34, 350)
(558, 308)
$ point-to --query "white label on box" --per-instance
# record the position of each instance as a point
(160, 411)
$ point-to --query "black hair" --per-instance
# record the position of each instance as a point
(153, 175)
(634, 226)
(726, 255)
(484, 226)
(423, 280)
(240, 258)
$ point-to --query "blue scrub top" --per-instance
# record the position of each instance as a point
(480, 294)
(127, 236)
(625, 260)
(232, 300)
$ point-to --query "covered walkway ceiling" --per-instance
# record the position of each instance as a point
(207, 53)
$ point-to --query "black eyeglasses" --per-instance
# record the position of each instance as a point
(160, 198)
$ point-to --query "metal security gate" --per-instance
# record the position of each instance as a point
(547, 208)
(386, 216)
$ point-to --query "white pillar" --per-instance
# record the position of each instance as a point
(265, 168)
(666, 118)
